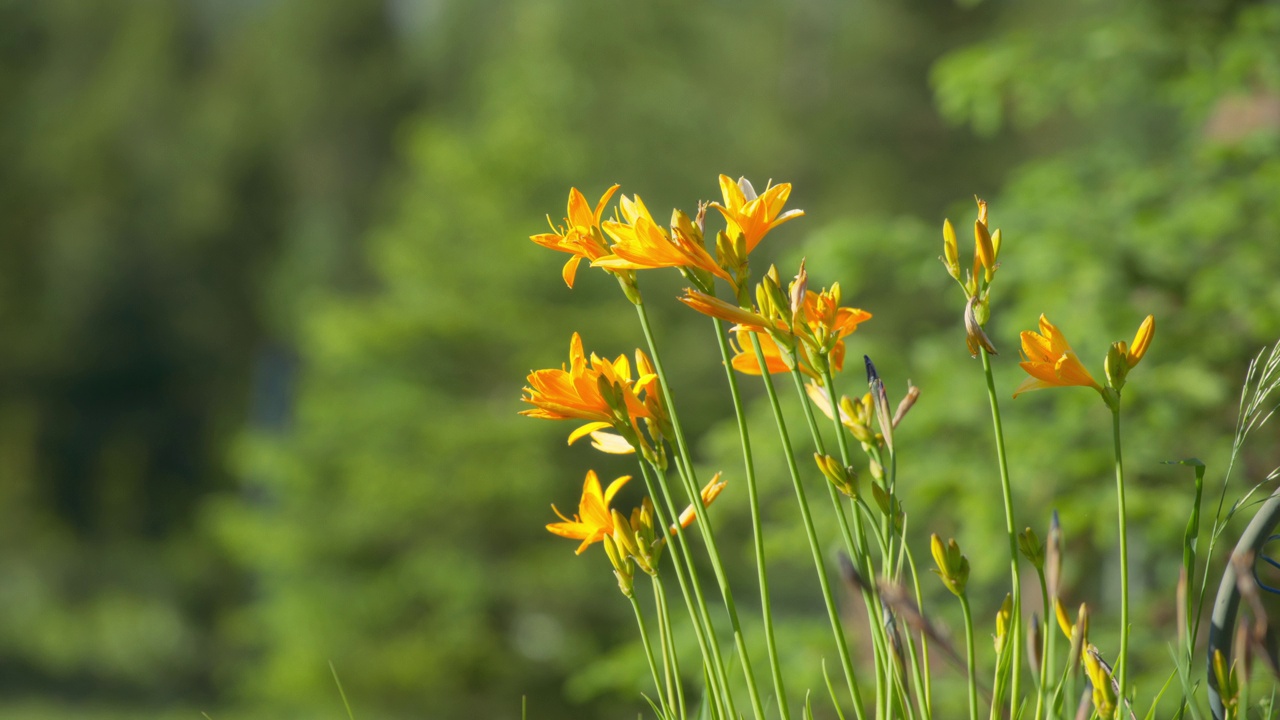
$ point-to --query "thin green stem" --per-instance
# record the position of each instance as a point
(648, 655)
(1015, 577)
(857, 549)
(971, 657)
(757, 525)
(924, 691)
(833, 612)
(704, 521)
(671, 664)
(691, 589)
(1122, 662)
(1047, 629)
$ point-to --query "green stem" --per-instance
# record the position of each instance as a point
(648, 653)
(671, 664)
(757, 525)
(1015, 578)
(833, 612)
(924, 689)
(858, 550)
(691, 589)
(704, 521)
(1046, 627)
(1123, 661)
(971, 654)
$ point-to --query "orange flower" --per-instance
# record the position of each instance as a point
(593, 520)
(1050, 361)
(820, 323)
(827, 323)
(744, 359)
(580, 236)
(641, 244)
(575, 391)
(751, 215)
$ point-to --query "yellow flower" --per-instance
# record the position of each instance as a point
(593, 520)
(1050, 361)
(639, 243)
(751, 215)
(575, 391)
(580, 236)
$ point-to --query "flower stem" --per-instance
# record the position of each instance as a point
(971, 657)
(1015, 576)
(1122, 662)
(833, 612)
(704, 522)
(757, 525)
(858, 549)
(648, 653)
(671, 665)
(1047, 653)
(682, 560)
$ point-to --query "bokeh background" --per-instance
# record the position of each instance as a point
(267, 302)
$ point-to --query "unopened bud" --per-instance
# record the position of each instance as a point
(1116, 365)
(1031, 547)
(1141, 341)
(798, 288)
(1004, 618)
(953, 566)
(842, 477)
(950, 250)
(983, 249)
(1053, 557)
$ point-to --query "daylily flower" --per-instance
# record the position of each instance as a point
(580, 236)
(826, 323)
(593, 520)
(751, 215)
(819, 322)
(577, 392)
(641, 244)
(744, 359)
(1050, 361)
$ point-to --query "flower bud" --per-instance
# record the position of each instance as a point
(1141, 341)
(984, 251)
(798, 288)
(1104, 693)
(1116, 365)
(1035, 643)
(950, 250)
(1004, 618)
(953, 567)
(1031, 547)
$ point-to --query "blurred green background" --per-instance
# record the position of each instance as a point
(267, 302)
